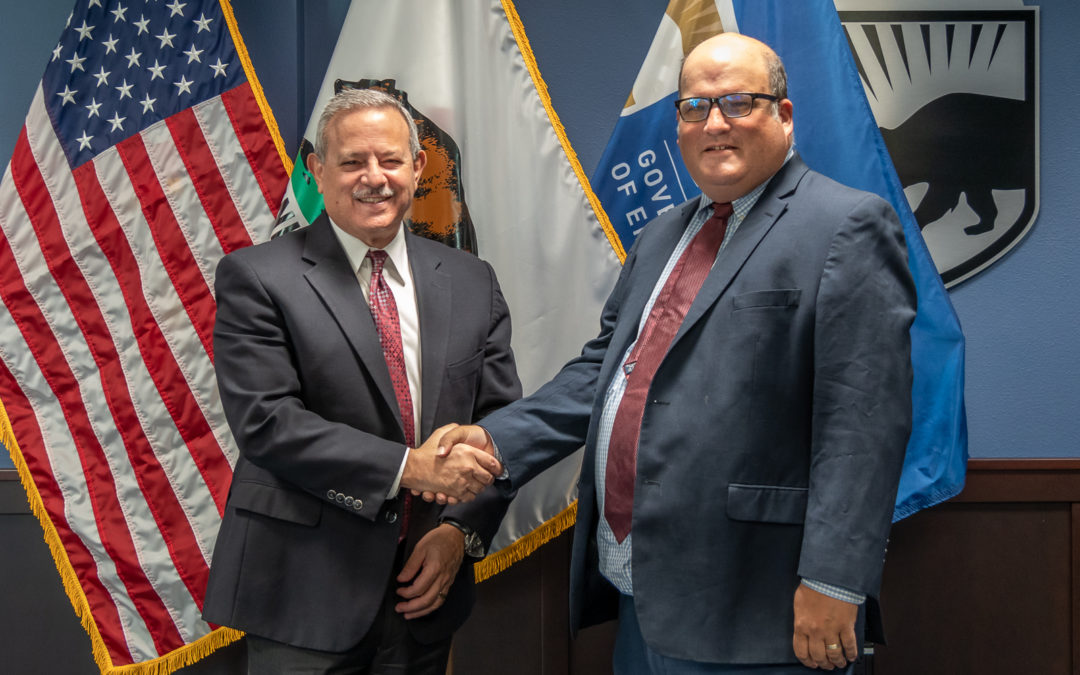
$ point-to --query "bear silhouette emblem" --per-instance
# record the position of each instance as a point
(967, 144)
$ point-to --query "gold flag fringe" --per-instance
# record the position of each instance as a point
(179, 658)
(524, 547)
(541, 89)
(256, 88)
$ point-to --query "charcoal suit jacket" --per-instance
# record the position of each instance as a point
(308, 538)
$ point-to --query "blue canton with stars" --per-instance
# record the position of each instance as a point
(123, 65)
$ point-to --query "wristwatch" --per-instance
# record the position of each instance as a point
(474, 546)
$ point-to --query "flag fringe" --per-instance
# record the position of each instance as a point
(518, 30)
(256, 88)
(181, 657)
(524, 547)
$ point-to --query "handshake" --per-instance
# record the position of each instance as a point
(453, 465)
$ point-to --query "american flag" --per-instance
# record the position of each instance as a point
(147, 154)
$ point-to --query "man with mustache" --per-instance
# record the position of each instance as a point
(335, 357)
(745, 407)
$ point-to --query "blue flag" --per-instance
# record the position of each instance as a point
(641, 175)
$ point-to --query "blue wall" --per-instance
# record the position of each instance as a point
(1020, 316)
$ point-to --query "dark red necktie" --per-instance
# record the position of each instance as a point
(384, 312)
(667, 315)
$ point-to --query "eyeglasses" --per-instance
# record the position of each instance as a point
(697, 108)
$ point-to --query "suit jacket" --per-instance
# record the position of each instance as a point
(308, 538)
(772, 443)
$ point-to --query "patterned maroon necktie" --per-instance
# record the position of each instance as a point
(666, 316)
(384, 312)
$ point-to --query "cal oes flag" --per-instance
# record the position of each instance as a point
(147, 154)
(641, 175)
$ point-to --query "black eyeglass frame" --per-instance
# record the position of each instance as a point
(716, 101)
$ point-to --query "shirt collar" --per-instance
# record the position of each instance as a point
(356, 250)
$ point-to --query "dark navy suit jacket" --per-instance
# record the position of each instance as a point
(308, 537)
(774, 435)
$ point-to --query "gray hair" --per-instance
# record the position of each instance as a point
(777, 74)
(354, 99)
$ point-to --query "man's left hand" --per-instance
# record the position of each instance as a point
(824, 630)
(430, 570)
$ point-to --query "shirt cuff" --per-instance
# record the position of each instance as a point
(836, 592)
(505, 475)
(396, 486)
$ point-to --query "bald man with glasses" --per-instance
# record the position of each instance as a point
(745, 407)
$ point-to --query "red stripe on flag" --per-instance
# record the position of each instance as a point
(209, 185)
(156, 353)
(262, 155)
(25, 427)
(100, 487)
(157, 492)
(172, 247)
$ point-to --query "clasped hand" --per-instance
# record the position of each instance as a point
(449, 477)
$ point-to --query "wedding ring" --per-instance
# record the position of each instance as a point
(833, 647)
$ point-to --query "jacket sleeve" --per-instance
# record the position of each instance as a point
(861, 416)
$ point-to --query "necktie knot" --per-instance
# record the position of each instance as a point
(378, 259)
(722, 210)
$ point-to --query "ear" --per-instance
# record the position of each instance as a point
(786, 112)
(315, 168)
(418, 167)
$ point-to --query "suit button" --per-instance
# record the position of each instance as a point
(340, 498)
(391, 516)
(358, 505)
(348, 501)
(330, 494)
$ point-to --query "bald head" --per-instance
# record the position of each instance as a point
(724, 45)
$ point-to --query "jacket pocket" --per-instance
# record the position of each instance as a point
(788, 297)
(465, 367)
(767, 503)
(267, 500)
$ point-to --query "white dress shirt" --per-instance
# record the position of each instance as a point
(399, 279)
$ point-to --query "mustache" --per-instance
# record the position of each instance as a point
(385, 192)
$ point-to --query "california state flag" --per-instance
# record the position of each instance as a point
(502, 181)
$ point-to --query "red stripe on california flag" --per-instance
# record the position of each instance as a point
(209, 185)
(157, 492)
(172, 247)
(24, 425)
(262, 155)
(160, 361)
(100, 486)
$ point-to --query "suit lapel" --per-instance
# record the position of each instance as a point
(336, 284)
(765, 213)
(433, 293)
